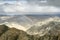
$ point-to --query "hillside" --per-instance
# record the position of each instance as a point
(49, 26)
(15, 34)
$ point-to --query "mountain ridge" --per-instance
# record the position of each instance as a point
(15, 34)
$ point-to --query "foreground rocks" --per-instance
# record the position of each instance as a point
(3, 29)
(11, 34)
(15, 34)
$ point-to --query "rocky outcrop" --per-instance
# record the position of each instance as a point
(15, 34)
(11, 34)
(3, 29)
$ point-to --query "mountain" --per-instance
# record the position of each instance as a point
(50, 26)
(33, 25)
(3, 29)
(15, 34)
(23, 22)
(12, 34)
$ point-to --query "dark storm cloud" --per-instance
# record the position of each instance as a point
(49, 2)
(54, 2)
(7, 0)
(38, 2)
(12, 0)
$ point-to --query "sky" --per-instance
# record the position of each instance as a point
(42, 6)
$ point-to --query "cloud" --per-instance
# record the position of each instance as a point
(8, 9)
(54, 3)
(16, 7)
(30, 8)
(45, 2)
(24, 6)
(45, 9)
(38, 2)
(12, 0)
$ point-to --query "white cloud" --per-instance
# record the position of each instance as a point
(8, 9)
(25, 7)
(17, 7)
(45, 9)
(43, 1)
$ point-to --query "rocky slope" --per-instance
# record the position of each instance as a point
(15, 34)
(50, 26)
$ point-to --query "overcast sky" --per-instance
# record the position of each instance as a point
(31, 6)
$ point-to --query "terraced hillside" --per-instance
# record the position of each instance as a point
(15, 34)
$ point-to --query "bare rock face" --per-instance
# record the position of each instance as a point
(3, 29)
